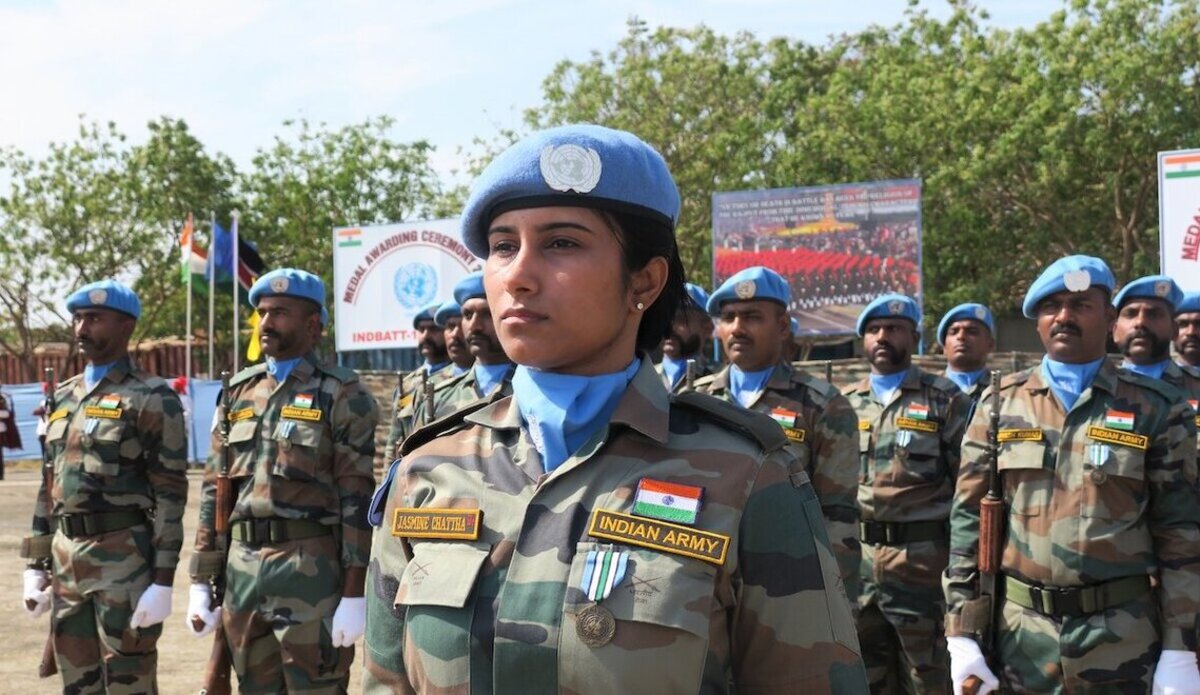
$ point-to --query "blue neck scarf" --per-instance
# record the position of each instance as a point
(1069, 381)
(93, 373)
(459, 371)
(965, 380)
(431, 369)
(561, 411)
(883, 385)
(745, 386)
(1154, 371)
(489, 375)
(673, 370)
(281, 368)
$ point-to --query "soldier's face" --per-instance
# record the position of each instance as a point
(431, 342)
(1187, 339)
(1144, 330)
(752, 333)
(687, 334)
(968, 344)
(562, 299)
(480, 330)
(288, 327)
(889, 344)
(1074, 326)
(456, 344)
(102, 335)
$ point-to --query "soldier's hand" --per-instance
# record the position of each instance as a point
(1177, 673)
(153, 607)
(967, 663)
(200, 620)
(349, 621)
(37, 592)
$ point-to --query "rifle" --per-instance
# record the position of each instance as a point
(427, 393)
(829, 371)
(216, 672)
(48, 665)
(689, 376)
(991, 533)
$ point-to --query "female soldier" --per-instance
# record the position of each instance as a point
(590, 534)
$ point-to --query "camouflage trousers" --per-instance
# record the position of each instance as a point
(97, 583)
(279, 605)
(901, 618)
(1110, 652)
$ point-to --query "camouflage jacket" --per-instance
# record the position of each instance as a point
(702, 370)
(977, 388)
(1091, 496)
(302, 449)
(475, 585)
(407, 398)
(454, 393)
(822, 433)
(122, 445)
(1187, 380)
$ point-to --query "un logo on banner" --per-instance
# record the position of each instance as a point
(415, 285)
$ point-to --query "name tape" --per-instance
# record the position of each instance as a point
(659, 535)
(432, 522)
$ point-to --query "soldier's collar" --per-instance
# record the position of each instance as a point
(912, 379)
(720, 380)
(119, 369)
(306, 367)
(781, 378)
(1106, 378)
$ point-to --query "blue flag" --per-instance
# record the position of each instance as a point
(220, 259)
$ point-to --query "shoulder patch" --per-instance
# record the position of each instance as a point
(345, 375)
(248, 373)
(757, 426)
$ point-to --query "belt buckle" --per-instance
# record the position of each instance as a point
(890, 533)
(1043, 600)
(276, 531)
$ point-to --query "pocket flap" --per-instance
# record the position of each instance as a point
(440, 574)
(302, 433)
(1022, 456)
(1126, 462)
(57, 430)
(242, 431)
(109, 431)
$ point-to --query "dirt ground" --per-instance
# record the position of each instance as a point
(181, 657)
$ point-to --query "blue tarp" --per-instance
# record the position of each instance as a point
(26, 397)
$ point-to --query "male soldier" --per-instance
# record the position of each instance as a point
(1187, 339)
(910, 426)
(967, 333)
(685, 341)
(1100, 567)
(818, 421)
(431, 341)
(301, 448)
(790, 347)
(448, 317)
(119, 485)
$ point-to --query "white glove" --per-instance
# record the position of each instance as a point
(199, 600)
(153, 607)
(37, 592)
(965, 661)
(349, 621)
(1176, 673)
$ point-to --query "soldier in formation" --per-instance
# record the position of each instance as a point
(685, 341)
(967, 334)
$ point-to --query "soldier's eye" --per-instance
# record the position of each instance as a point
(503, 247)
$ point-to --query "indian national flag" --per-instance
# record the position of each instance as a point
(1119, 420)
(193, 259)
(1181, 166)
(784, 417)
(303, 400)
(667, 501)
(349, 237)
(917, 411)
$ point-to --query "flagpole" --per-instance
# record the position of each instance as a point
(212, 288)
(236, 282)
(187, 267)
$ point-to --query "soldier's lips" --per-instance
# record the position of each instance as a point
(521, 317)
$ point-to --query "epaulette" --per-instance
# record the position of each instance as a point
(823, 390)
(345, 375)
(757, 426)
(152, 381)
(1009, 381)
(1162, 388)
(447, 383)
(939, 382)
(247, 373)
(704, 381)
(426, 433)
(851, 389)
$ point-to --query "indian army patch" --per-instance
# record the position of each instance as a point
(668, 501)
(570, 168)
(659, 535)
(1111, 436)
(1019, 435)
(787, 420)
(99, 411)
(602, 572)
(440, 523)
(243, 414)
(291, 412)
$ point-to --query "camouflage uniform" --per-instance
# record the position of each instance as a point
(120, 463)
(1187, 380)
(500, 612)
(1073, 522)
(909, 452)
(823, 437)
(977, 388)
(701, 370)
(313, 469)
(408, 397)
(452, 394)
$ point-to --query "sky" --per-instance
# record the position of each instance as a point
(447, 70)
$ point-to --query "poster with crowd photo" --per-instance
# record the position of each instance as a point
(838, 246)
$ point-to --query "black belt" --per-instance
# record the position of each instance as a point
(275, 531)
(1075, 601)
(894, 533)
(96, 523)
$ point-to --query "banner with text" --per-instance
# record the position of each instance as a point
(384, 274)
(838, 246)
(1179, 217)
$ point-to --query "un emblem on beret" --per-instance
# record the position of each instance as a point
(98, 296)
(1162, 288)
(980, 313)
(896, 307)
(415, 285)
(279, 285)
(570, 168)
(744, 289)
(1077, 280)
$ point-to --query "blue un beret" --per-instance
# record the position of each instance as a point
(755, 282)
(427, 313)
(445, 312)
(896, 306)
(970, 310)
(1190, 303)
(1151, 287)
(290, 282)
(1073, 273)
(575, 165)
(106, 294)
(469, 287)
(698, 295)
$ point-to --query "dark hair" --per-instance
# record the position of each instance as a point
(643, 239)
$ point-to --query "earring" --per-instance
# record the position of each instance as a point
(640, 306)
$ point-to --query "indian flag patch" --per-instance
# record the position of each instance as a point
(1119, 420)
(303, 400)
(784, 417)
(667, 501)
(916, 411)
(110, 401)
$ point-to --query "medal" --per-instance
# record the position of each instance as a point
(595, 625)
(602, 572)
